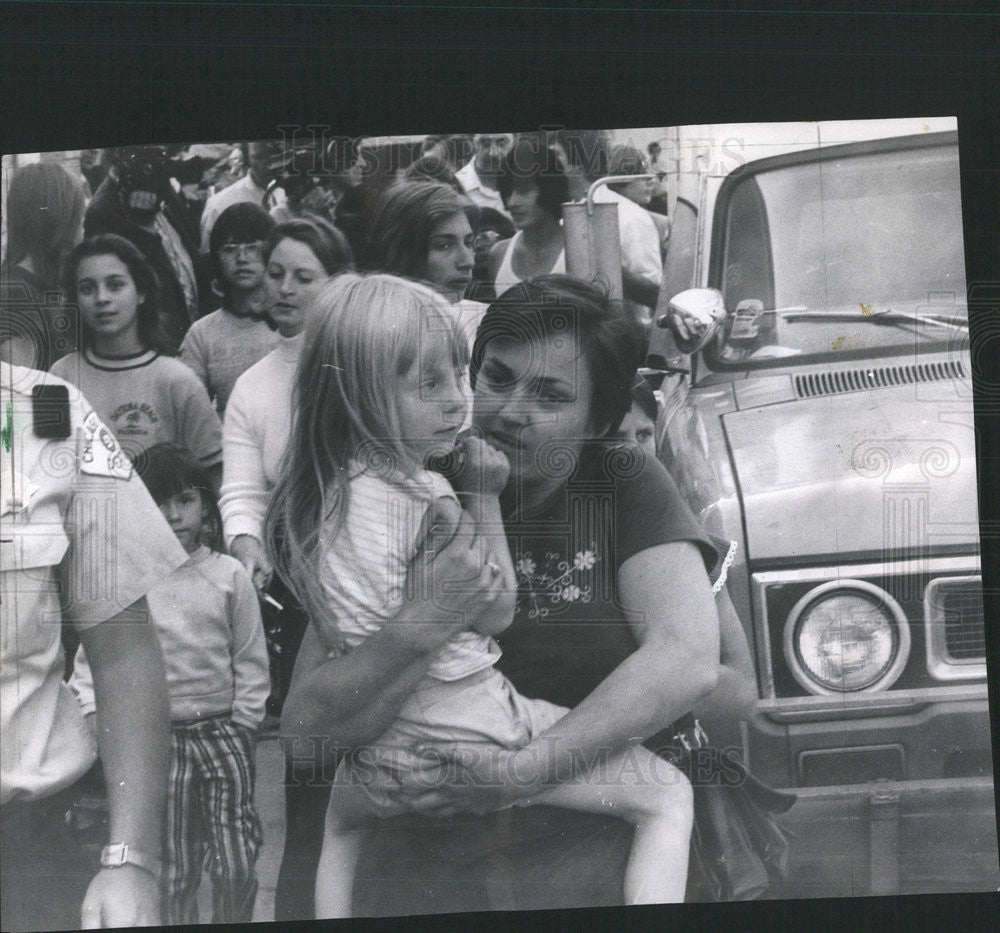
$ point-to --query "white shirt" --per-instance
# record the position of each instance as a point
(254, 436)
(640, 243)
(365, 566)
(477, 192)
(80, 539)
(638, 234)
(246, 189)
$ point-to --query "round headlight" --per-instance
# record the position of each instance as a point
(846, 636)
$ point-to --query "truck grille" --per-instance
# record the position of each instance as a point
(810, 385)
(961, 608)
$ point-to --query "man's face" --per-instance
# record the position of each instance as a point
(260, 155)
(490, 150)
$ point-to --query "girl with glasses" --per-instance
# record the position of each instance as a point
(223, 345)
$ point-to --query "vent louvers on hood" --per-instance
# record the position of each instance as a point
(838, 382)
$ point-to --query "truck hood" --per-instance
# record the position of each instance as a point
(887, 471)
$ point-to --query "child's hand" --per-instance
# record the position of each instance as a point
(484, 469)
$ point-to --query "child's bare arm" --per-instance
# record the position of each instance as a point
(489, 523)
(478, 484)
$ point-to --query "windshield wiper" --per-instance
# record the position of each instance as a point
(876, 317)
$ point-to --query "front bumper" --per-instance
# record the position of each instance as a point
(906, 837)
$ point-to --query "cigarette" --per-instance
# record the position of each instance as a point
(273, 602)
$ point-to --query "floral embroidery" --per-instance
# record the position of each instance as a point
(525, 567)
(584, 560)
(549, 582)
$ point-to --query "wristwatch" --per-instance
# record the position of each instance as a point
(121, 853)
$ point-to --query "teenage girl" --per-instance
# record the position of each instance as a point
(142, 395)
(426, 230)
(208, 621)
(534, 189)
(378, 395)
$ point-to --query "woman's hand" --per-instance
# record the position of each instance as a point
(484, 470)
(451, 582)
(466, 778)
(251, 554)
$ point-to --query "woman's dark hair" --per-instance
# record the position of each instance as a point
(239, 223)
(433, 168)
(153, 334)
(642, 395)
(405, 216)
(529, 161)
(167, 470)
(327, 243)
(45, 206)
(585, 150)
(610, 339)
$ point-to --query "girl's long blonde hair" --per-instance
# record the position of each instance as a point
(363, 335)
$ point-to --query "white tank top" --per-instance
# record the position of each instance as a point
(506, 278)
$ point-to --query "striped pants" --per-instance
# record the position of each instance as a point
(210, 812)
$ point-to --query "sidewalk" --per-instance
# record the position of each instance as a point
(269, 796)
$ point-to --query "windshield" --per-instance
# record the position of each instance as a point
(851, 256)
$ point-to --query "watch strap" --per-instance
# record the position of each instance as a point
(121, 853)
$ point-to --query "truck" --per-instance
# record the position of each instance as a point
(817, 409)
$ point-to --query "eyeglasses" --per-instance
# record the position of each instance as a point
(253, 251)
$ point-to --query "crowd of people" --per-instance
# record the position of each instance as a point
(417, 519)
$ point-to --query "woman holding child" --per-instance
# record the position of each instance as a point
(614, 622)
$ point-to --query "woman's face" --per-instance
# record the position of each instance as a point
(640, 191)
(242, 265)
(294, 275)
(450, 257)
(523, 206)
(108, 298)
(533, 402)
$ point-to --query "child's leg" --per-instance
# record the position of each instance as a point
(183, 841)
(231, 822)
(343, 834)
(651, 793)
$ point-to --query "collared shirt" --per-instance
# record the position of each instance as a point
(477, 192)
(80, 540)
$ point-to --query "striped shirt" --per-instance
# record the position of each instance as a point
(365, 567)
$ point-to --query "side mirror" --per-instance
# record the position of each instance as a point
(694, 317)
